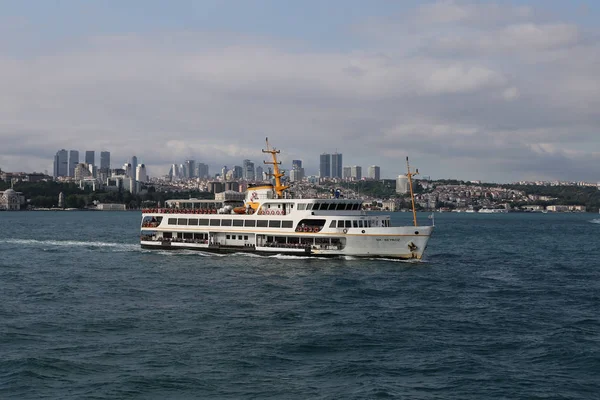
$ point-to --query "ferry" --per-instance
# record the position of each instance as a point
(267, 220)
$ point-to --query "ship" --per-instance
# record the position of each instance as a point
(268, 220)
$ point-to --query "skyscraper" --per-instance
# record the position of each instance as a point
(73, 161)
(202, 171)
(105, 160)
(347, 172)
(374, 172)
(190, 168)
(356, 173)
(259, 176)
(296, 164)
(336, 165)
(90, 155)
(238, 172)
(325, 166)
(249, 170)
(134, 164)
(140, 173)
(61, 163)
(297, 172)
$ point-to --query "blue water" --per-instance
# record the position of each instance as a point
(503, 306)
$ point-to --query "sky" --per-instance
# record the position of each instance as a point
(475, 90)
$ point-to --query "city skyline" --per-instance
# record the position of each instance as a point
(490, 91)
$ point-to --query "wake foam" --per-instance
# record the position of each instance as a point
(72, 243)
(595, 221)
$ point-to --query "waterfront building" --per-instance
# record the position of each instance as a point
(61, 163)
(260, 173)
(105, 160)
(90, 155)
(73, 161)
(11, 200)
(356, 173)
(374, 172)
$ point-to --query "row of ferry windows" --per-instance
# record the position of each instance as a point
(359, 223)
(231, 222)
(329, 206)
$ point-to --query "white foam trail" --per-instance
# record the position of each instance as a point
(595, 221)
(71, 243)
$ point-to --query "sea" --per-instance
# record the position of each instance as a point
(503, 306)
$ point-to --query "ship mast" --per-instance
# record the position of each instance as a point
(412, 194)
(279, 188)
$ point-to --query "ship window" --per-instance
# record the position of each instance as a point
(332, 224)
(355, 223)
(226, 222)
(332, 206)
(245, 237)
(182, 221)
(360, 224)
(215, 222)
(323, 206)
(274, 224)
(193, 221)
(227, 237)
(239, 237)
(203, 221)
(340, 206)
(167, 235)
(261, 223)
(309, 206)
(340, 223)
(368, 223)
(172, 221)
(287, 224)
(250, 222)
(238, 222)
(348, 224)
(301, 207)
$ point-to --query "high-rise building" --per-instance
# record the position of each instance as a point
(336, 165)
(81, 171)
(347, 172)
(140, 173)
(402, 184)
(202, 171)
(134, 164)
(325, 166)
(128, 170)
(356, 173)
(73, 161)
(260, 175)
(297, 172)
(174, 172)
(61, 163)
(224, 171)
(190, 168)
(105, 160)
(374, 172)
(90, 155)
(249, 170)
(238, 172)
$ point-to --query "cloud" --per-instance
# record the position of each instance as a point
(474, 91)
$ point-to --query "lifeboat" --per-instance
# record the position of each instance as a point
(240, 210)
